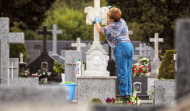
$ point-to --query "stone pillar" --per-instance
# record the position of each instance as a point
(183, 60)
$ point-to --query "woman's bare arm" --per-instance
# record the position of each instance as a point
(99, 28)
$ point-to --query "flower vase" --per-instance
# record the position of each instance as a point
(63, 77)
(44, 80)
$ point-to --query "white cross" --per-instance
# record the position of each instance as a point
(140, 48)
(12, 67)
(78, 44)
(92, 13)
(175, 59)
(55, 32)
(156, 40)
(6, 38)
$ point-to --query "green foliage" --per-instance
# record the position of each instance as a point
(167, 68)
(16, 49)
(28, 13)
(151, 93)
(95, 101)
(58, 68)
(153, 16)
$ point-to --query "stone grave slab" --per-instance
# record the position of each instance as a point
(164, 92)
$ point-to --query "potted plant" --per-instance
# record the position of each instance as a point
(43, 74)
(59, 69)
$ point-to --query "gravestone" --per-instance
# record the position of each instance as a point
(175, 60)
(84, 50)
(34, 54)
(54, 54)
(78, 44)
(155, 64)
(13, 68)
(44, 57)
(183, 61)
(95, 81)
(7, 38)
(71, 57)
(15, 80)
(165, 92)
(55, 32)
(96, 57)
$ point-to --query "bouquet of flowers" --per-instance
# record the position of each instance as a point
(134, 99)
(110, 100)
(140, 70)
(144, 61)
(58, 68)
(43, 73)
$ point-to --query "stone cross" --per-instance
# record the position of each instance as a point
(175, 59)
(13, 68)
(156, 40)
(78, 44)
(7, 38)
(21, 57)
(55, 32)
(45, 32)
(92, 13)
(146, 50)
(140, 48)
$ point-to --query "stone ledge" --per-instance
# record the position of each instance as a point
(97, 77)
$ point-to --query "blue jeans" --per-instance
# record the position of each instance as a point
(124, 59)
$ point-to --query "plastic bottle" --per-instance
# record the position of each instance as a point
(78, 68)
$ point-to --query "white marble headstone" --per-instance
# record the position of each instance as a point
(96, 57)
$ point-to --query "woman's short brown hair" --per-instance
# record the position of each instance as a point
(115, 14)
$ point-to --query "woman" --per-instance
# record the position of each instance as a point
(118, 38)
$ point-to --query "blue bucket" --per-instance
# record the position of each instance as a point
(71, 88)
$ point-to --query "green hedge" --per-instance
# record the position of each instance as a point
(167, 67)
(16, 49)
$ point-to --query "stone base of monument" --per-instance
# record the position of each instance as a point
(164, 92)
(40, 95)
(29, 81)
(95, 87)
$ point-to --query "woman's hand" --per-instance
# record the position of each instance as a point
(97, 21)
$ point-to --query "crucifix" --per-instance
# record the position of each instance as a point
(92, 13)
(45, 32)
(156, 40)
(7, 38)
(78, 44)
(55, 32)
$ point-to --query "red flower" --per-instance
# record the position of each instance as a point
(130, 103)
(146, 71)
(141, 71)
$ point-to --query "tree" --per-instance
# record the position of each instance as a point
(154, 16)
(28, 13)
